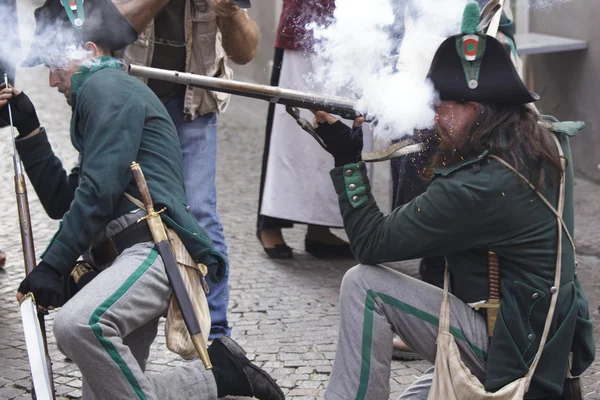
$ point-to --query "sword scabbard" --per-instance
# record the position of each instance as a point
(159, 234)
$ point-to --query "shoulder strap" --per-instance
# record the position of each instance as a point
(541, 196)
(560, 226)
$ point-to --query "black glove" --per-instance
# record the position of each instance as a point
(343, 143)
(46, 285)
(216, 269)
(23, 112)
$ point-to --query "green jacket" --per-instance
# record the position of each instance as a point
(116, 120)
(468, 210)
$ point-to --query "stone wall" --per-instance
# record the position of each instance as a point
(568, 82)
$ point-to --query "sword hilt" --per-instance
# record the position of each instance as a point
(157, 228)
(494, 275)
(493, 303)
(142, 185)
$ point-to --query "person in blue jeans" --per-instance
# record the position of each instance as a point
(199, 36)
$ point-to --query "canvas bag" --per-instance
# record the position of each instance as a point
(452, 379)
(193, 275)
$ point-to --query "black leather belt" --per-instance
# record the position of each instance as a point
(107, 251)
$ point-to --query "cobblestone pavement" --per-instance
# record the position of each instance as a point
(284, 313)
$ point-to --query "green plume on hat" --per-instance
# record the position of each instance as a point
(471, 19)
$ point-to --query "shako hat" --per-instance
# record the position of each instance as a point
(61, 24)
(473, 66)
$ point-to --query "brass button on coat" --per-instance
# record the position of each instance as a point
(355, 199)
(531, 336)
(535, 296)
(352, 186)
(552, 290)
(348, 172)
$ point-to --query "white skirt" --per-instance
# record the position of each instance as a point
(297, 182)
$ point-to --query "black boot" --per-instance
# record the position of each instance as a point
(235, 375)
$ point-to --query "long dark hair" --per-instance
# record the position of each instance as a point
(517, 135)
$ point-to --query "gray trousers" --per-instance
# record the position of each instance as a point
(108, 327)
(377, 302)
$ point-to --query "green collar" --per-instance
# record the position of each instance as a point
(88, 68)
(77, 81)
(448, 169)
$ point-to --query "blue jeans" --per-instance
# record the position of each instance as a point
(198, 140)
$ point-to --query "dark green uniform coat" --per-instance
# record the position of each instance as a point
(468, 210)
(116, 120)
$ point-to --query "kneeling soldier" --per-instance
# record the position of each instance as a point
(107, 327)
(504, 243)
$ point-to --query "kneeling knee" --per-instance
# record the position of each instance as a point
(354, 278)
(68, 328)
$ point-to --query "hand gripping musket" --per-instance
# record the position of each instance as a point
(292, 99)
(34, 326)
(492, 305)
(159, 234)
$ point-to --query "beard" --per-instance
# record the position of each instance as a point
(447, 150)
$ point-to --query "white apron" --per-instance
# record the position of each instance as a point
(297, 183)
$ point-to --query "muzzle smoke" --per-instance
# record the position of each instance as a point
(380, 52)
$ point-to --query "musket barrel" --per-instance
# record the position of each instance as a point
(22, 201)
(341, 106)
(25, 224)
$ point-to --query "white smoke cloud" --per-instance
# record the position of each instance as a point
(355, 57)
(58, 41)
(356, 54)
(10, 39)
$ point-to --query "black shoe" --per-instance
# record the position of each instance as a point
(406, 355)
(235, 375)
(281, 251)
(326, 250)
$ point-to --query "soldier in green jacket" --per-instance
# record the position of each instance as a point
(474, 205)
(108, 326)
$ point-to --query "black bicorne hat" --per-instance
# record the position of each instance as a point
(473, 66)
(64, 23)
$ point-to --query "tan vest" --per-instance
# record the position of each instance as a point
(204, 56)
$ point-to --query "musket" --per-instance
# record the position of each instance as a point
(341, 106)
(34, 325)
(159, 234)
(291, 99)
